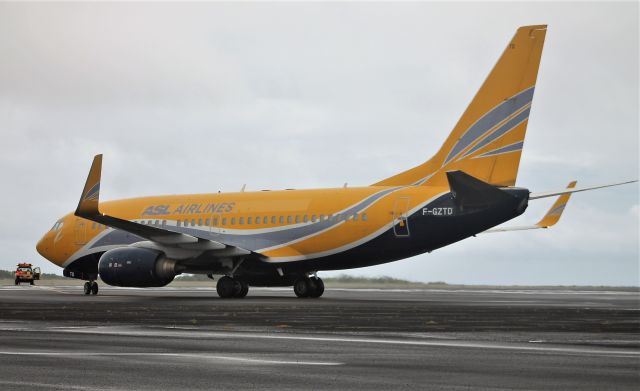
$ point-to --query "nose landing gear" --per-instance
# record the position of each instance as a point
(312, 287)
(91, 287)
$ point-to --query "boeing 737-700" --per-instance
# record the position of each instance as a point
(283, 238)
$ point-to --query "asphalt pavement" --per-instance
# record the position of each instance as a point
(54, 337)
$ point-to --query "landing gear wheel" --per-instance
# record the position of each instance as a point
(226, 287)
(94, 288)
(318, 287)
(308, 287)
(302, 287)
(244, 289)
(87, 288)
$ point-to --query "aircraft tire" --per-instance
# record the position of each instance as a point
(244, 289)
(318, 287)
(226, 287)
(302, 287)
(94, 288)
(87, 288)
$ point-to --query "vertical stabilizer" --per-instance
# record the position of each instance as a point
(488, 139)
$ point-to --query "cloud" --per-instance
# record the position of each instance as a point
(201, 97)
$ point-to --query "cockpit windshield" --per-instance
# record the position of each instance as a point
(57, 225)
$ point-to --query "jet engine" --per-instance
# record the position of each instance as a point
(136, 267)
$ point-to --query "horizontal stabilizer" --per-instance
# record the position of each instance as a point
(550, 218)
(535, 196)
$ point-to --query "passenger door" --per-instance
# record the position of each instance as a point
(80, 231)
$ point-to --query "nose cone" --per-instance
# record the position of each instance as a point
(43, 246)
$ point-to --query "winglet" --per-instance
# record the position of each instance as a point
(88, 205)
(554, 213)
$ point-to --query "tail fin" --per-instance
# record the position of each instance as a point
(487, 141)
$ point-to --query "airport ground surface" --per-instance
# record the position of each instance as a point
(54, 337)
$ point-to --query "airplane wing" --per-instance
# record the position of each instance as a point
(89, 208)
(550, 218)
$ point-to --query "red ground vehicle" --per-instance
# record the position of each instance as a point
(27, 273)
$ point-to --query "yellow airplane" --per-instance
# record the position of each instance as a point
(283, 238)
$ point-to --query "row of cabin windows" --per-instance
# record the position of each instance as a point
(257, 220)
(98, 226)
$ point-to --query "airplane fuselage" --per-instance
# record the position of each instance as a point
(295, 231)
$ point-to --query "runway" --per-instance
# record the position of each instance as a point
(187, 338)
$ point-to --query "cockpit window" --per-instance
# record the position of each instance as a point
(57, 225)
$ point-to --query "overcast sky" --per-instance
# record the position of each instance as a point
(194, 98)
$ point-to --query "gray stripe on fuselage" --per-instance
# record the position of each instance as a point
(255, 241)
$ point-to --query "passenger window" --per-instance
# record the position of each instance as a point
(207, 222)
(193, 222)
(289, 220)
(177, 223)
(215, 221)
(241, 220)
(257, 219)
(322, 217)
(164, 223)
(200, 222)
(233, 221)
(297, 219)
(313, 218)
(157, 222)
(150, 222)
(355, 217)
(305, 218)
(224, 221)
(273, 220)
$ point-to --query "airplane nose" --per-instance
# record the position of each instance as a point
(42, 247)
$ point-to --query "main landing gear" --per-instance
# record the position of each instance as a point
(91, 287)
(229, 287)
(308, 287)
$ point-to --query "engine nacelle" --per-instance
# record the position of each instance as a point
(136, 267)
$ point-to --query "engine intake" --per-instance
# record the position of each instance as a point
(136, 267)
